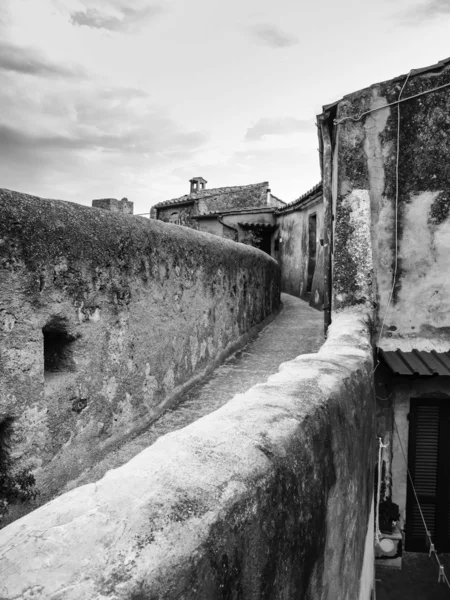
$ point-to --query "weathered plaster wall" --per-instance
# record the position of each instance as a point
(293, 253)
(178, 215)
(142, 309)
(258, 216)
(228, 225)
(419, 315)
(212, 226)
(268, 497)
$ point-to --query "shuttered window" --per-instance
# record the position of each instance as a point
(429, 435)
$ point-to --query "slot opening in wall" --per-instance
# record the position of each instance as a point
(58, 348)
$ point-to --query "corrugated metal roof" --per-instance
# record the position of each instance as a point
(417, 362)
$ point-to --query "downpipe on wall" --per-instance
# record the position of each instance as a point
(327, 170)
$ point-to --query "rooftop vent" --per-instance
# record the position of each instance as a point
(196, 182)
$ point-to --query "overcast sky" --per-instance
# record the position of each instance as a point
(113, 98)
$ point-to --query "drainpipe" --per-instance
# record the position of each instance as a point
(327, 170)
(220, 219)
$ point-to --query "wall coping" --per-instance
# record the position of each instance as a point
(151, 517)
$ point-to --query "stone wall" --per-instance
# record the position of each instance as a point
(365, 198)
(178, 215)
(114, 205)
(268, 497)
(105, 319)
(293, 252)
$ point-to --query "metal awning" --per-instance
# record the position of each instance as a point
(417, 362)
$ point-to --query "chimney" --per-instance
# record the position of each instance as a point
(196, 182)
(268, 197)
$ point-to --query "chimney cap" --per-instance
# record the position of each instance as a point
(199, 179)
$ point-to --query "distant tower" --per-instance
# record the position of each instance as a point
(196, 182)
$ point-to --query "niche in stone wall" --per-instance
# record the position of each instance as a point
(58, 347)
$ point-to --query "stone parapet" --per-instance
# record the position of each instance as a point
(268, 497)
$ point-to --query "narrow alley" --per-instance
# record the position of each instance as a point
(298, 329)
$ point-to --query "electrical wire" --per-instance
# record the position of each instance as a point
(442, 573)
(367, 112)
(394, 277)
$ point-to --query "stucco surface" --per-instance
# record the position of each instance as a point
(268, 497)
(146, 308)
(409, 225)
(293, 253)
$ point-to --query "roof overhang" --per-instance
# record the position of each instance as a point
(416, 363)
(256, 225)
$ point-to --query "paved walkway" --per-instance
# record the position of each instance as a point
(416, 580)
(297, 330)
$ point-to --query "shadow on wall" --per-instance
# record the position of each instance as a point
(109, 318)
(298, 247)
(268, 497)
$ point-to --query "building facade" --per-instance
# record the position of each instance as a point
(298, 246)
(386, 151)
(243, 213)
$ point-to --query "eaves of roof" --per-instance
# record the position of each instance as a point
(236, 211)
(210, 193)
(177, 202)
(253, 225)
(311, 194)
(417, 363)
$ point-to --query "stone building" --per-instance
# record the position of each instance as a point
(298, 246)
(243, 213)
(386, 151)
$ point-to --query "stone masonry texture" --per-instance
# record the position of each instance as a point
(297, 330)
(268, 497)
(104, 320)
(378, 232)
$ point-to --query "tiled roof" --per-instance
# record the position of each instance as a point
(312, 193)
(243, 190)
(250, 225)
(418, 363)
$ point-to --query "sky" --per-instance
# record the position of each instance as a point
(132, 98)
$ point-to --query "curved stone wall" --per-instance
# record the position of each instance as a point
(268, 497)
(105, 319)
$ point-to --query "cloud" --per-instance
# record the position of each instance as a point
(426, 10)
(117, 18)
(29, 61)
(121, 121)
(79, 141)
(273, 36)
(277, 126)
